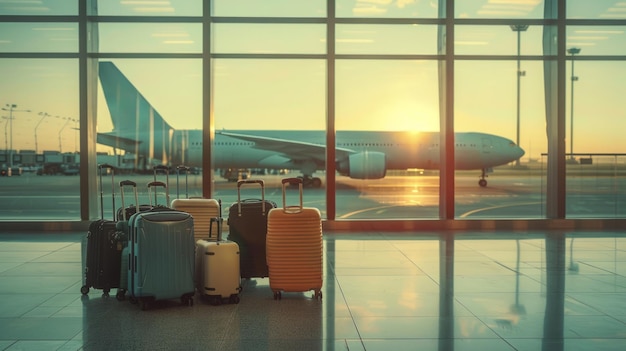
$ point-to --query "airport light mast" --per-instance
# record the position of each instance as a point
(519, 28)
(67, 120)
(11, 109)
(572, 51)
(43, 115)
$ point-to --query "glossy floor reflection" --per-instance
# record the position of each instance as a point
(382, 291)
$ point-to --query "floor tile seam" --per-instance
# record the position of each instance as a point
(350, 313)
(588, 264)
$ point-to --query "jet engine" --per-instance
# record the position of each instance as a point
(364, 165)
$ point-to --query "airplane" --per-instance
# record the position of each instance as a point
(139, 129)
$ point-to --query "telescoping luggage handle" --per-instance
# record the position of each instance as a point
(251, 181)
(179, 169)
(101, 167)
(293, 208)
(157, 184)
(125, 183)
(166, 170)
(219, 221)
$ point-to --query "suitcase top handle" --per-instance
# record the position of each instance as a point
(157, 184)
(251, 181)
(125, 183)
(292, 209)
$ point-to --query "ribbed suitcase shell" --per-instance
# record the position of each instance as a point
(202, 211)
(217, 270)
(294, 247)
(162, 264)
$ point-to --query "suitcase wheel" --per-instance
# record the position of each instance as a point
(277, 295)
(234, 299)
(186, 300)
(84, 290)
(317, 295)
(121, 295)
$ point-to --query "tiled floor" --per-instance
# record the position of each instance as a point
(381, 291)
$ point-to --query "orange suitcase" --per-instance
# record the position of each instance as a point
(294, 247)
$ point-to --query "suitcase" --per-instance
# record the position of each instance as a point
(104, 248)
(124, 213)
(162, 255)
(294, 247)
(217, 268)
(247, 222)
(201, 209)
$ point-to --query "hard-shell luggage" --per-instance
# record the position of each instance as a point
(201, 209)
(294, 247)
(217, 268)
(104, 247)
(162, 255)
(125, 212)
(247, 222)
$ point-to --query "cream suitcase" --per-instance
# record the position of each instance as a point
(294, 247)
(202, 210)
(218, 275)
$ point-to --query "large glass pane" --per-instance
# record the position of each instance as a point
(598, 40)
(40, 113)
(270, 38)
(598, 9)
(269, 8)
(269, 123)
(596, 119)
(498, 9)
(386, 9)
(150, 37)
(386, 39)
(38, 37)
(150, 113)
(150, 8)
(39, 7)
(498, 40)
(387, 134)
(488, 130)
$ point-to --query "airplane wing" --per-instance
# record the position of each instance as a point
(292, 149)
(117, 142)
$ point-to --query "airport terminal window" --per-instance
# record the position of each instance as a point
(595, 146)
(150, 8)
(409, 39)
(150, 37)
(273, 102)
(280, 38)
(40, 148)
(39, 37)
(269, 8)
(401, 108)
(385, 9)
(269, 72)
(41, 7)
(514, 188)
(498, 40)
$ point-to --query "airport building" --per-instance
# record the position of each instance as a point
(467, 158)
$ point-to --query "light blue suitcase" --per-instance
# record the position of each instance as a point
(162, 256)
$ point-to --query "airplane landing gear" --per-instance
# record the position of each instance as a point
(312, 182)
(483, 182)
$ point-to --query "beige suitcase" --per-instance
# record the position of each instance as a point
(294, 247)
(218, 276)
(202, 210)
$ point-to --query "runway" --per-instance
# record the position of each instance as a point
(509, 194)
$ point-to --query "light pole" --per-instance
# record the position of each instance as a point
(67, 120)
(519, 28)
(572, 51)
(43, 115)
(11, 109)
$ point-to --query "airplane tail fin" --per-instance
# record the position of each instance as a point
(133, 117)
